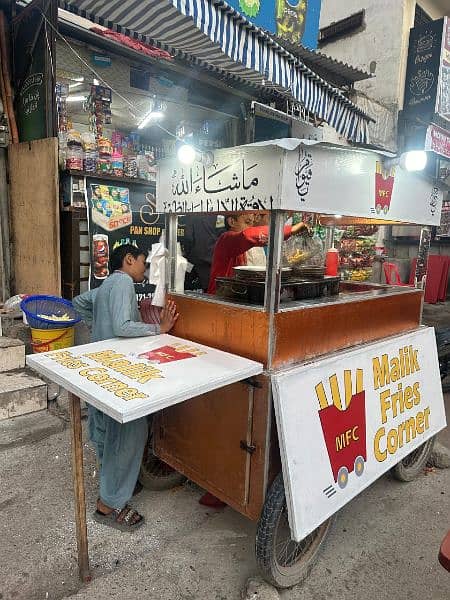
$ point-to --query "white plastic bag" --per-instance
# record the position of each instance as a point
(13, 303)
(303, 251)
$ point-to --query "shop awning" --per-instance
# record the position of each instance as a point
(217, 37)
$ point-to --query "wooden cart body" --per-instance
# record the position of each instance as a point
(226, 441)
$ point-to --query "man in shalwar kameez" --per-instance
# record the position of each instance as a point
(112, 311)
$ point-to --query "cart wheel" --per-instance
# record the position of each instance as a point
(359, 466)
(413, 464)
(282, 561)
(342, 478)
(155, 474)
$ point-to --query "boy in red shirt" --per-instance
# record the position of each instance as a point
(240, 236)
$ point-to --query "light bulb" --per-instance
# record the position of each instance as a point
(186, 154)
(151, 116)
(414, 160)
(76, 98)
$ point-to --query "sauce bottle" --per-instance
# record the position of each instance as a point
(332, 262)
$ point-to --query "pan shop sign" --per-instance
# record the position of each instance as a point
(358, 414)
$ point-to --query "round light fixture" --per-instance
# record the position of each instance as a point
(157, 115)
(186, 154)
(414, 160)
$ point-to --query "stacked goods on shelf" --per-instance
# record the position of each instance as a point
(356, 245)
(120, 156)
(94, 151)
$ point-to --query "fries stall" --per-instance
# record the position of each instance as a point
(283, 405)
(351, 384)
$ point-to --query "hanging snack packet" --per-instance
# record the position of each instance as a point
(303, 251)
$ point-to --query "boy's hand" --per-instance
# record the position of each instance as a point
(169, 316)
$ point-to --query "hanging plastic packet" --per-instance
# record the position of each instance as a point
(303, 251)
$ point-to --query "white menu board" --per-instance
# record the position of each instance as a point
(345, 420)
(133, 377)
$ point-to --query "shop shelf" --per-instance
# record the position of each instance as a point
(134, 180)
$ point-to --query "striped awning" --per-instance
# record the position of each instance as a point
(218, 38)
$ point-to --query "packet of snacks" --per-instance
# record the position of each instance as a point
(303, 251)
(110, 207)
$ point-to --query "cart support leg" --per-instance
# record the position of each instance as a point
(78, 486)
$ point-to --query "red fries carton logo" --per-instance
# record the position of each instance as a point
(166, 354)
(344, 426)
(384, 186)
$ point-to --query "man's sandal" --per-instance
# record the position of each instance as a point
(124, 519)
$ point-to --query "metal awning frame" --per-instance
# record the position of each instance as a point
(241, 57)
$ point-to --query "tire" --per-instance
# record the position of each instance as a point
(444, 369)
(412, 465)
(155, 474)
(271, 525)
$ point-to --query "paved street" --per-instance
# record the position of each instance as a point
(384, 544)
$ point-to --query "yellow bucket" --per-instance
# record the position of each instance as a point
(44, 340)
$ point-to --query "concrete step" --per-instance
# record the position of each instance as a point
(12, 354)
(21, 392)
(28, 429)
(16, 329)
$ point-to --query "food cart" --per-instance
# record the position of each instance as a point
(351, 384)
(315, 398)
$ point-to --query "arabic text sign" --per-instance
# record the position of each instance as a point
(346, 182)
(131, 378)
(346, 420)
(310, 178)
(240, 179)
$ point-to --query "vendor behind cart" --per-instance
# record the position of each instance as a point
(231, 249)
(112, 311)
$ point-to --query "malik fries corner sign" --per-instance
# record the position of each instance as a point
(345, 420)
(128, 378)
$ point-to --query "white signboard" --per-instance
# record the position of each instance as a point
(345, 420)
(301, 176)
(356, 183)
(240, 179)
(130, 378)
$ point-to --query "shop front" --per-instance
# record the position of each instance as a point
(110, 142)
(425, 126)
(131, 87)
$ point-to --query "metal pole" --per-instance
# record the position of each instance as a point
(171, 243)
(420, 276)
(78, 487)
(273, 274)
(4, 230)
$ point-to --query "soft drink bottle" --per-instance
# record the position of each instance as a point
(332, 262)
